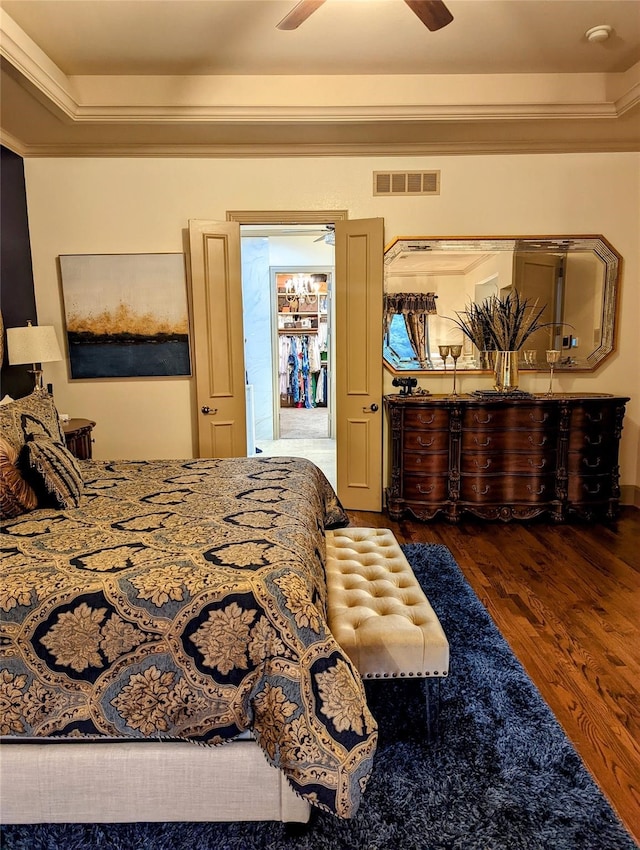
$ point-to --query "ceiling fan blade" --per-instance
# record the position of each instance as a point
(299, 14)
(433, 13)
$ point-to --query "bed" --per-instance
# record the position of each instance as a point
(149, 607)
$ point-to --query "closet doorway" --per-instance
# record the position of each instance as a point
(287, 281)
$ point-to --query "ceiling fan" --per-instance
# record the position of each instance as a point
(433, 13)
(328, 235)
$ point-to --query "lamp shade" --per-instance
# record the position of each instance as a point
(33, 344)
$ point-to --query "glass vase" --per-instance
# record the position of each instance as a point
(506, 371)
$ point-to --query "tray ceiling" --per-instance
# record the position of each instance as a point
(216, 78)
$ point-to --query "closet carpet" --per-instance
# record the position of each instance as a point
(300, 423)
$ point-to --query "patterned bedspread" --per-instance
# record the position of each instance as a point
(186, 599)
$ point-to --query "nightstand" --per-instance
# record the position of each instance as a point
(77, 433)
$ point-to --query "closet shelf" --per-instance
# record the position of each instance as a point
(289, 331)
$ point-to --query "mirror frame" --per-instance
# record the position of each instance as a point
(598, 244)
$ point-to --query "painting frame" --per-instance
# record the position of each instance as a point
(126, 315)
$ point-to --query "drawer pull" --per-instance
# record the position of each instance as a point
(592, 491)
(485, 465)
(429, 421)
(594, 465)
(482, 421)
(539, 465)
(594, 417)
(480, 491)
(542, 419)
(537, 492)
(541, 442)
(425, 490)
(480, 443)
(593, 441)
(425, 444)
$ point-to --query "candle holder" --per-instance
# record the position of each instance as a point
(455, 351)
(444, 353)
(553, 356)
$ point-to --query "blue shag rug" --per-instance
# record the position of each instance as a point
(503, 776)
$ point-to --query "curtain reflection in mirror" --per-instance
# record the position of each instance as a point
(415, 308)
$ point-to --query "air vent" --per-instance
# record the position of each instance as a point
(406, 182)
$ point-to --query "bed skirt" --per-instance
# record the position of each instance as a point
(141, 781)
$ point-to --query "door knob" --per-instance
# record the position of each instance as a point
(371, 409)
(207, 410)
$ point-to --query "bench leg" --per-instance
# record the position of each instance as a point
(432, 706)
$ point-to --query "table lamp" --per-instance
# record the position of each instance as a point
(35, 344)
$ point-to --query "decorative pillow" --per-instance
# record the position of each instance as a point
(33, 415)
(16, 496)
(54, 472)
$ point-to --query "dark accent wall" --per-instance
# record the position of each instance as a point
(17, 297)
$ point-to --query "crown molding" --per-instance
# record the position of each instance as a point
(42, 75)
(364, 149)
(629, 83)
(339, 114)
(13, 144)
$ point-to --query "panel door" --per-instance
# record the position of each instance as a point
(358, 367)
(218, 338)
(540, 279)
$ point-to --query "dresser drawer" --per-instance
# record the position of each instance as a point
(593, 417)
(504, 489)
(425, 488)
(588, 488)
(418, 420)
(508, 441)
(594, 460)
(436, 441)
(432, 463)
(474, 463)
(592, 441)
(521, 416)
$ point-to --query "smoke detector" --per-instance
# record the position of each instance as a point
(599, 33)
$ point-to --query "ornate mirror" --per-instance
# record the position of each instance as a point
(429, 281)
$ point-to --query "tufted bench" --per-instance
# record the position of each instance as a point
(378, 612)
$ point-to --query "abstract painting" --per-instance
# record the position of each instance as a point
(126, 315)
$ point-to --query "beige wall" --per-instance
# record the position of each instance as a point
(143, 205)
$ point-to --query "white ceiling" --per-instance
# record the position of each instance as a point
(215, 77)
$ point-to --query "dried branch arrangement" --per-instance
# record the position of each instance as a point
(501, 324)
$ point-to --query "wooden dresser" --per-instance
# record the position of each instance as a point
(505, 458)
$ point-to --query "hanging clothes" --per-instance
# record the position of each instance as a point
(314, 354)
(300, 369)
(321, 387)
(283, 365)
(294, 374)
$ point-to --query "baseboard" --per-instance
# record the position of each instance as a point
(630, 495)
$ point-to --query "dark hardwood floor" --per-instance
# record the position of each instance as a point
(566, 598)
